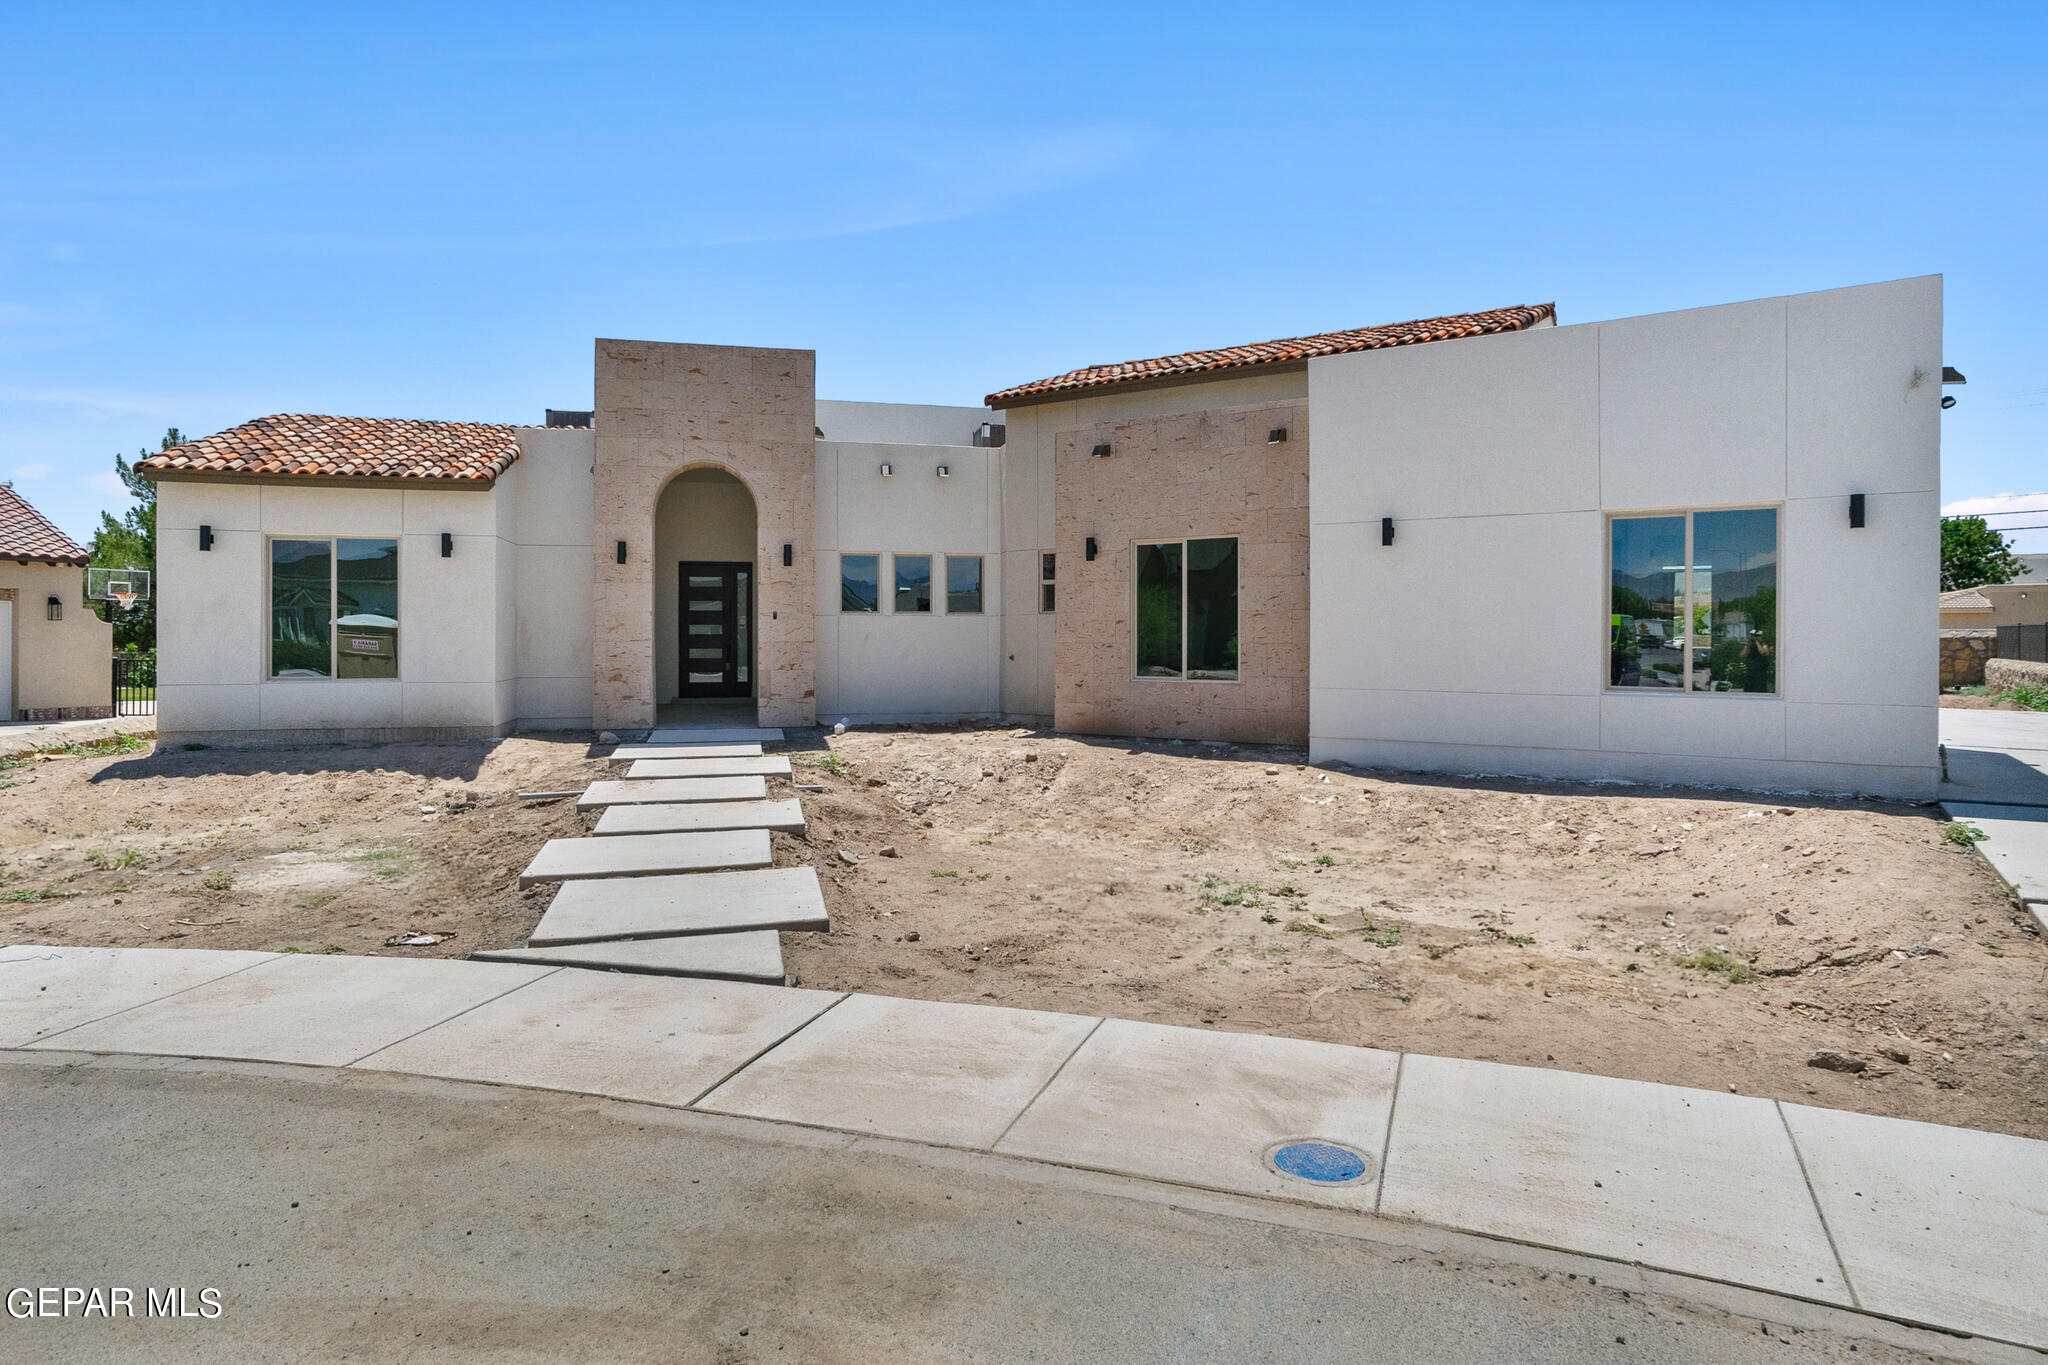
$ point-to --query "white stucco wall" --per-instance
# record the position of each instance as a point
(1478, 641)
(910, 424)
(551, 492)
(880, 666)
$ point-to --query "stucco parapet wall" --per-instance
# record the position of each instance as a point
(662, 408)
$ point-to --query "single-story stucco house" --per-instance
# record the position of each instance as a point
(1688, 547)
(56, 655)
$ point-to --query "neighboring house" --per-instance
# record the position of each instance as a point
(55, 653)
(1650, 519)
(2021, 603)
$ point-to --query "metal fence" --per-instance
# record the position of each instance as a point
(133, 696)
(2023, 642)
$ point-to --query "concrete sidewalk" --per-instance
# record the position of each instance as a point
(1997, 780)
(1934, 1226)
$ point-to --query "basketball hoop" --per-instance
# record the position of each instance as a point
(123, 600)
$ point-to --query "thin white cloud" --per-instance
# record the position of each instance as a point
(2008, 513)
(33, 471)
(107, 482)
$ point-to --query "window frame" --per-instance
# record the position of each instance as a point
(1048, 581)
(930, 558)
(1132, 549)
(980, 584)
(877, 556)
(334, 632)
(1609, 517)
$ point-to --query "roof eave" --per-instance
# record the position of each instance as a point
(238, 476)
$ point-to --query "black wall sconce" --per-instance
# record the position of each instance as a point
(1855, 511)
(788, 554)
(447, 545)
(1276, 436)
(1386, 530)
(622, 552)
(888, 471)
(1100, 452)
(206, 537)
(1948, 400)
(1091, 548)
(56, 609)
(945, 471)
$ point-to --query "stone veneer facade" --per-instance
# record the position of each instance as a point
(1196, 474)
(662, 408)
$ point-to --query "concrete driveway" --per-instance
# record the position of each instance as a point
(1998, 781)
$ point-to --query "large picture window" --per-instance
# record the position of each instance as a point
(1187, 609)
(1693, 601)
(334, 608)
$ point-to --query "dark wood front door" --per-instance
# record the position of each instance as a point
(717, 630)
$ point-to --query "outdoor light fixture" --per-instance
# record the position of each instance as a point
(622, 552)
(1100, 452)
(206, 537)
(1386, 530)
(1276, 436)
(1091, 547)
(788, 554)
(1855, 511)
(888, 471)
(1948, 400)
(447, 545)
(56, 609)
(945, 471)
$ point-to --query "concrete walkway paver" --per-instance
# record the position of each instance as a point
(662, 907)
(47, 990)
(307, 1008)
(626, 753)
(767, 765)
(646, 855)
(1943, 1225)
(714, 734)
(2016, 843)
(1203, 1108)
(616, 792)
(955, 1075)
(784, 816)
(753, 955)
(637, 1038)
(1995, 756)
(1681, 1179)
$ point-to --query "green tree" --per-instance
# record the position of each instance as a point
(1972, 554)
(129, 542)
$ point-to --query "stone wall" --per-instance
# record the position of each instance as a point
(662, 408)
(1964, 654)
(1198, 474)
(2003, 674)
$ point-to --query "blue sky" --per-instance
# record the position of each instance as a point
(209, 213)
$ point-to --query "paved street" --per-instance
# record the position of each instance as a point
(370, 1216)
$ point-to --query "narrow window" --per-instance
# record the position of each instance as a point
(1693, 601)
(963, 584)
(366, 608)
(913, 583)
(1046, 565)
(1159, 610)
(301, 609)
(1212, 608)
(860, 582)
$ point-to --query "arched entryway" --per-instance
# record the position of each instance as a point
(706, 635)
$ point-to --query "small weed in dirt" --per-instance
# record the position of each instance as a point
(384, 862)
(1992, 948)
(136, 822)
(1304, 927)
(106, 862)
(1962, 832)
(1714, 960)
(948, 872)
(1269, 918)
(1248, 894)
(2033, 696)
(824, 763)
(330, 948)
(220, 879)
(1499, 935)
(1388, 936)
(1325, 860)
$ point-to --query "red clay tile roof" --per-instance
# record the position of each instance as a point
(27, 534)
(296, 445)
(1073, 382)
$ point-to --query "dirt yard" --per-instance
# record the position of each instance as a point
(1697, 938)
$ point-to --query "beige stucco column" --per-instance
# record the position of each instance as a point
(662, 408)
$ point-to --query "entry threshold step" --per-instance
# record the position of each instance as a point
(714, 734)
